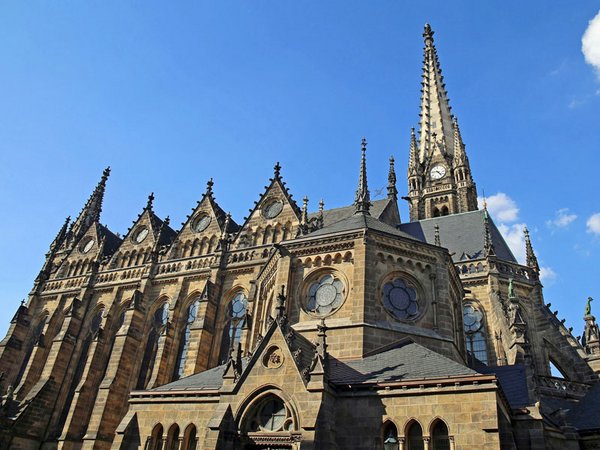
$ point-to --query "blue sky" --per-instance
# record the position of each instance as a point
(170, 94)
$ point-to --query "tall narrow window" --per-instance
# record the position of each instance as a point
(414, 437)
(156, 439)
(439, 436)
(475, 335)
(184, 345)
(157, 328)
(236, 319)
(189, 438)
(390, 437)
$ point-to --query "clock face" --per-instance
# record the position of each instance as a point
(87, 246)
(272, 210)
(140, 235)
(201, 223)
(438, 172)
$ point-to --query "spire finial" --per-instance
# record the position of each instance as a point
(530, 257)
(225, 232)
(304, 218)
(321, 206)
(362, 201)
(413, 158)
(277, 170)
(92, 209)
(428, 34)
(437, 240)
(209, 187)
(391, 188)
(150, 201)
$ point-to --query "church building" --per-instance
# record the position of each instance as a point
(346, 328)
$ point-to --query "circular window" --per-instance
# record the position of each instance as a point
(239, 304)
(400, 299)
(272, 209)
(201, 223)
(270, 415)
(86, 246)
(472, 318)
(140, 235)
(325, 295)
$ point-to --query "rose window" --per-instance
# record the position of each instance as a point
(325, 295)
(400, 299)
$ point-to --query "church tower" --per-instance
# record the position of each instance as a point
(439, 175)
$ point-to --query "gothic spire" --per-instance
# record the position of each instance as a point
(391, 188)
(413, 158)
(62, 234)
(460, 156)
(488, 246)
(531, 259)
(435, 114)
(91, 211)
(362, 201)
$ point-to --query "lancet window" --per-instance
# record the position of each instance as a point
(184, 344)
(157, 329)
(475, 334)
(236, 319)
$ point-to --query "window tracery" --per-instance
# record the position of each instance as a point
(236, 319)
(326, 295)
(475, 334)
(400, 299)
(184, 344)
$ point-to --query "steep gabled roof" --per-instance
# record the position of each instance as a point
(407, 361)
(462, 234)
(361, 222)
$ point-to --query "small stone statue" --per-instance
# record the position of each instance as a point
(588, 307)
(511, 288)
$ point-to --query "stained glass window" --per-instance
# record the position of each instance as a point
(185, 338)
(475, 332)
(232, 332)
(400, 299)
(325, 295)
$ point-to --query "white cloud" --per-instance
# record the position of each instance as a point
(562, 219)
(514, 237)
(590, 43)
(501, 207)
(593, 224)
(547, 275)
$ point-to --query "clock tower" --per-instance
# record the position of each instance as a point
(439, 175)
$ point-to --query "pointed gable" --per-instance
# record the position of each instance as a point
(274, 218)
(200, 233)
(146, 235)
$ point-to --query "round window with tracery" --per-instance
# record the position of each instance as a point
(270, 415)
(326, 295)
(400, 299)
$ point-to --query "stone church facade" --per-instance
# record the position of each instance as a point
(340, 329)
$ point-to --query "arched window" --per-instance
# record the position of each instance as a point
(270, 415)
(192, 311)
(172, 438)
(157, 328)
(236, 319)
(445, 211)
(439, 436)
(390, 437)
(190, 438)
(414, 437)
(156, 439)
(475, 335)
(436, 212)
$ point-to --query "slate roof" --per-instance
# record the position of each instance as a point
(407, 361)
(359, 222)
(512, 381)
(112, 242)
(462, 234)
(210, 379)
(585, 415)
(331, 216)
